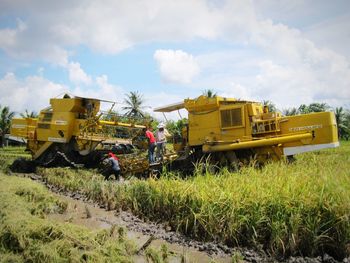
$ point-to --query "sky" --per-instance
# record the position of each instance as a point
(289, 52)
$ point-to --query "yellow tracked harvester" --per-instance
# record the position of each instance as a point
(73, 131)
(233, 132)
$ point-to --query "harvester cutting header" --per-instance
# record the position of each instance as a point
(227, 132)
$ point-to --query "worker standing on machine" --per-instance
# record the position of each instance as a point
(151, 144)
(115, 169)
(161, 135)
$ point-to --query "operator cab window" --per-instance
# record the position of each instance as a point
(231, 118)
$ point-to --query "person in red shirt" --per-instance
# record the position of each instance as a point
(151, 144)
(114, 160)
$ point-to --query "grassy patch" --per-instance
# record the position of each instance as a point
(9, 154)
(26, 236)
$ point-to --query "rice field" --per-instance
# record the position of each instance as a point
(27, 236)
(286, 209)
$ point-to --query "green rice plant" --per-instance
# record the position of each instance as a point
(289, 209)
(153, 256)
(237, 257)
(9, 154)
(165, 253)
(29, 237)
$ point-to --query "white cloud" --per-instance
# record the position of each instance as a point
(176, 66)
(162, 99)
(24, 42)
(77, 75)
(332, 33)
(34, 92)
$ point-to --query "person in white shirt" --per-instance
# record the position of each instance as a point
(161, 135)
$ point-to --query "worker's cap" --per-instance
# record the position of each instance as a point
(160, 125)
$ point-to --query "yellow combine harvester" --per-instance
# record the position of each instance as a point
(233, 132)
(74, 131)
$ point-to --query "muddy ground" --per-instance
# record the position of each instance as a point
(82, 211)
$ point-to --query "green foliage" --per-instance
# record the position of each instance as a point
(237, 257)
(5, 120)
(27, 236)
(9, 154)
(286, 208)
(28, 114)
(291, 111)
(134, 105)
(175, 127)
(313, 107)
(305, 109)
(343, 121)
(209, 93)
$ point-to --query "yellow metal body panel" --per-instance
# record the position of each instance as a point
(57, 128)
(40, 150)
(205, 122)
(322, 124)
(23, 127)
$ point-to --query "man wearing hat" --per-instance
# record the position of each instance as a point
(161, 135)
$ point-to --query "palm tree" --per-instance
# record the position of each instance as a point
(318, 107)
(347, 125)
(343, 126)
(134, 107)
(313, 107)
(175, 127)
(270, 105)
(291, 111)
(5, 122)
(209, 93)
(28, 114)
(303, 109)
(339, 115)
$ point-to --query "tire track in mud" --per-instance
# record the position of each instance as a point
(214, 250)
